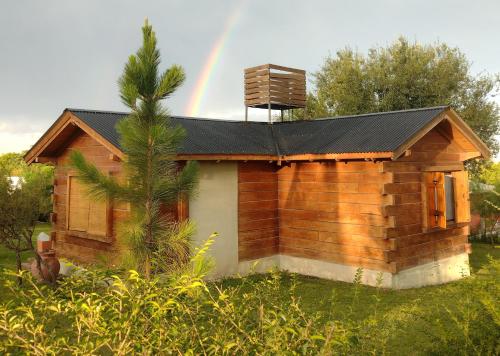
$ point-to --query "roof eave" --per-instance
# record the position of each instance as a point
(469, 133)
(67, 118)
(447, 114)
(298, 157)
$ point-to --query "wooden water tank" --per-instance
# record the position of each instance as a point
(274, 87)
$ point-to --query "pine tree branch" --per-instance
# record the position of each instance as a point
(184, 183)
(171, 79)
(100, 185)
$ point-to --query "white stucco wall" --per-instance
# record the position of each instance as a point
(215, 209)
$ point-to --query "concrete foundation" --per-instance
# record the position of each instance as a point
(438, 272)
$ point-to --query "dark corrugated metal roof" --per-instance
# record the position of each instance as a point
(377, 132)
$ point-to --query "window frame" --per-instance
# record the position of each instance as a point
(460, 197)
(453, 197)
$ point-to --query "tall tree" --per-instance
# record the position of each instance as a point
(12, 163)
(406, 75)
(152, 177)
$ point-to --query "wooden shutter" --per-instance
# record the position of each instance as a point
(78, 206)
(436, 199)
(462, 202)
(85, 214)
(98, 222)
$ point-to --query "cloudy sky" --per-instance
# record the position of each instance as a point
(58, 54)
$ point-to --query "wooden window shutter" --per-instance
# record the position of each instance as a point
(436, 199)
(78, 206)
(462, 202)
(85, 214)
(98, 221)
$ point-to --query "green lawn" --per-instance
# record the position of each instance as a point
(431, 311)
(317, 294)
(8, 258)
(480, 253)
(436, 308)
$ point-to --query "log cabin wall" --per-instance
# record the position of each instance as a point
(77, 246)
(257, 210)
(332, 211)
(413, 243)
(358, 213)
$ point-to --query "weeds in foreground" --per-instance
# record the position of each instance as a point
(259, 315)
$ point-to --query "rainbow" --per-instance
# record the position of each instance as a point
(200, 88)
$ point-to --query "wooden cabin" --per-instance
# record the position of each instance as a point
(386, 192)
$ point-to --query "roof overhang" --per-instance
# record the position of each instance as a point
(48, 147)
(458, 130)
(63, 129)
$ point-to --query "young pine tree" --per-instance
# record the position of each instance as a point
(152, 178)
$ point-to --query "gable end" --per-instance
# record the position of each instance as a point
(60, 133)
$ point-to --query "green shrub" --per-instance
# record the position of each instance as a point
(95, 312)
(98, 312)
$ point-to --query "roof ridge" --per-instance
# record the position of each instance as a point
(275, 141)
(370, 114)
(212, 119)
(96, 111)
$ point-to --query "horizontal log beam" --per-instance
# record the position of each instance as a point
(301, 157)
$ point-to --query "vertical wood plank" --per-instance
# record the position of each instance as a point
(430, 200)
(436, 199)
(462, 201)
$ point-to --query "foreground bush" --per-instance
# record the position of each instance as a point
(98, 313)
(139, 316)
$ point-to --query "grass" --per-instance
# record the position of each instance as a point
(331, 300)
(480, 253)
(8, 258)
(321, 295)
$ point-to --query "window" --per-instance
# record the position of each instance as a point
(449, 193)
(86, 217)
(447, 198)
